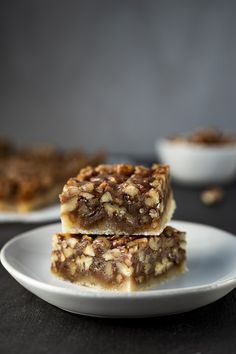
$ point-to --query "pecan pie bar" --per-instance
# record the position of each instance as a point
(33, 177)
(125, 263)
(117, 200)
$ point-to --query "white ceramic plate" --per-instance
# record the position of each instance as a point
(211, 275)
(42, 215)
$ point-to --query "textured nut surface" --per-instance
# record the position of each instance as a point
(147, 267)
(73, 268)
(89, 251)
(124, 269)
(108, 269)
(124, 169)
(110, 209)
(104, 240)
(183, 245)
(155, 183)
(162, 266)
(161, 207)
(63, 258)
(111, 254)
(153, 244)
(84, 262)
(119, 278)
(72, 242)
(70, 205)
(154, 195)
(88, 187)
(131, 190)
(141, 256)
(138, 241)
(87, 196)
(153, 213)
(55, 244)
(106, 197)
(149, 202)
(68, 252)
(159, 268)
(71, 190)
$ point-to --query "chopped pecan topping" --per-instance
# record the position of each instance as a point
(132, 196)
(112, 260)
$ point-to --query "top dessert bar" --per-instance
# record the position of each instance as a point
(33, 177)
(117, 199)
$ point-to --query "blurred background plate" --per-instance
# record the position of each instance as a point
(42, 215)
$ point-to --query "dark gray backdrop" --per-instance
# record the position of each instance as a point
(115, 73)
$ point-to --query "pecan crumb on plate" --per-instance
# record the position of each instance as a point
(212, 196)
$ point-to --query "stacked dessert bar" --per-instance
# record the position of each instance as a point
(114, 232)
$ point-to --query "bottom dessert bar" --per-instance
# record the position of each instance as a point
(125, 263)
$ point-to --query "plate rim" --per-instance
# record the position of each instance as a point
(45, 214)
(103, 294)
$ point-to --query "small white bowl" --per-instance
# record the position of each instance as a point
(198, 164)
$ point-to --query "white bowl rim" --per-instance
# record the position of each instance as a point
(225, 148)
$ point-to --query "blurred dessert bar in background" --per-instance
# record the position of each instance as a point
(32, 177)
(116, 262)
(118, 200)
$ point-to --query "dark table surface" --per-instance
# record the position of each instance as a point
(30, 325)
